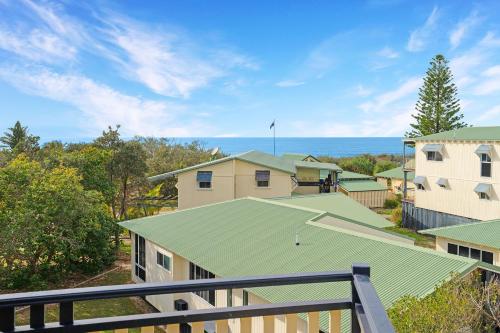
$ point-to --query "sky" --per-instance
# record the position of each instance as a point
(229, 68)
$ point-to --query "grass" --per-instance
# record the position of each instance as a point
(420, 240)
(120, 274)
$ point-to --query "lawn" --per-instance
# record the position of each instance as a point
(420, 240)
(119, 274)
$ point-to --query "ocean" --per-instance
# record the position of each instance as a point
(335, 147)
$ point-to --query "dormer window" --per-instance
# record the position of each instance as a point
(419, 181)
(204, 179)
(442, 182)
(483, 191)
(433, 152)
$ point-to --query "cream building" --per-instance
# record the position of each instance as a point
(253, 174)
(457, 178)
(479, 240)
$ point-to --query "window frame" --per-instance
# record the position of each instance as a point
(484, 196)
(420, 187)
(245, 297)
(162, 264)
(197, 273)
(437, 156)
(204, 185)
(453, 245)
(140, 257)
(263, 183)
(485, 159)
(489, 253)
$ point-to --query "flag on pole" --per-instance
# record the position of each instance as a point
(272, 125)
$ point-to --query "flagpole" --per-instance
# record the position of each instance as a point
(274, 137)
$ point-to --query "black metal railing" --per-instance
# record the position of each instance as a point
(367, 312)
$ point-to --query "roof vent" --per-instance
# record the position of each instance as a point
(297, 242)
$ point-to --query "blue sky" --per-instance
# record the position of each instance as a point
(228, 68)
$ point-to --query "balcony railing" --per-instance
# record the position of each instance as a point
(367, 312)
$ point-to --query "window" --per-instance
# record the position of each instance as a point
(475, 253)
(163, 260)
(204, 179)
(140, 257)
(487, 257)
(434, 156)
(198, 273)
(245, 297)
(463, 251)
(421, 187)
(229, 302)
(484, 196)
(262, 178)
(485, 165)
(452, 248)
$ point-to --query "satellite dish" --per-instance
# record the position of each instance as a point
(214, 151)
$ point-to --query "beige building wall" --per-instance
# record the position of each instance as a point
(306, 190)
(307, 175)
(280, 183)
(442, 246)
(230, 180)
(370, 199)
(461, 166)
(179, 272)
(223, 187)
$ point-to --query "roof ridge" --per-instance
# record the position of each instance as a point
(276, 203)
(457, 226)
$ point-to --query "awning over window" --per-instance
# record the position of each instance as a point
(204, 176)
(483, 188)
(484, 149)
(262, 175)
(442, 182)
(419, 180)
(433, 147)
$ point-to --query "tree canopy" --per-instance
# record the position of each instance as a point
(438, 107)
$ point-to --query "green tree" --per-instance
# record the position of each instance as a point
(51, 225)
(18, 140)
(359, 164)
(463, 304)
(384, 165)
(438, 107)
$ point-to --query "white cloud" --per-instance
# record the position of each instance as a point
(492, 71)
(289, 83)
(387, 52)
(101, 105)
(462, 28)
(419, 37)
(490, 114)
(362, 91)
(382, 102)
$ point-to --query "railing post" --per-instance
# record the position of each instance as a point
(66, 313)
(7, 319)
(357, 269)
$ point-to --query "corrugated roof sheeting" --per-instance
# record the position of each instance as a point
(491, 133)
(338, 204)
(253, 237)
(485, 233)
(396, 173)
(361, 185)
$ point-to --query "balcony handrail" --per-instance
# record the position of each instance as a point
(368, 313)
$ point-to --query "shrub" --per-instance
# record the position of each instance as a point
(397, 216)
(391, 203)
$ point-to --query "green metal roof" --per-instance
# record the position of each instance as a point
(485, 233)
(258, 158)
(297, 156)
(338, 204)
(353, 175)
(361, 185)
(491, 133)
(317, 165)
(396, 173)
(254, 156)
(252, 237)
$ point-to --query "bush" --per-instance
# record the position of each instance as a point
(391, 203)
(397, 216)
